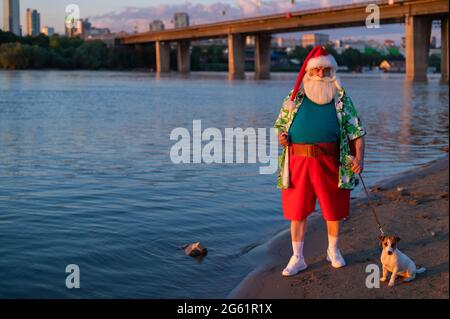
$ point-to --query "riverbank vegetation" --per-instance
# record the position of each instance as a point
(61, 52)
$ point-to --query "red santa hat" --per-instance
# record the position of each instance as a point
(318, 57)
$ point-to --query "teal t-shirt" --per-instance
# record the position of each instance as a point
(314, 123)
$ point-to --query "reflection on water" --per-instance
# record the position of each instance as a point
(87, 179)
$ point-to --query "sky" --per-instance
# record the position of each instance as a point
(126, 15)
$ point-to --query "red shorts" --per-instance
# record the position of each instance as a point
(314, 178)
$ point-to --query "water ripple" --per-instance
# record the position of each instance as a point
(87, 179)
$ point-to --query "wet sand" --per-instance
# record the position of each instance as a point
(413, 206)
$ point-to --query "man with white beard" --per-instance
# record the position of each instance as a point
(323, 142)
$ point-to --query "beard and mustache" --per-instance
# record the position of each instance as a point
(320, 90)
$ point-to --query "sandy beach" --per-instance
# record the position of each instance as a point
(413, 206)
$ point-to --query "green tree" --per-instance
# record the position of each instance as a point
(435, 61)
(352, 58)
(92, 55)
(394, 54)
(331, 50)
(299, 53)
(8, 37)
(39, 57)
(196, 56)
(15, 56)
(214, 54)
(371, 57)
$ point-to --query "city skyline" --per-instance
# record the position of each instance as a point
(120, 15)
(11, 16)
(33, 22)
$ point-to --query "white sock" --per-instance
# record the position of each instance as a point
(297, 248)
(332, 243)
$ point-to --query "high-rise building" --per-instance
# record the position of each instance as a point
(181, 20)
(84, 29)
(283, 42)
(250, 41)
(87, 26)
(337, 44)
(314, 39)
(79, 27)
(97, 32)
(70, 32)
(156, 25)
(359, 45)
(33, 22)
(48, 31)
(11, 16)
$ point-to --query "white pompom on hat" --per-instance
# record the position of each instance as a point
(318, 57)
(324, 61)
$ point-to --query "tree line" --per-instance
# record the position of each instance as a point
(67, 53)
(70, 53)
(212, 58)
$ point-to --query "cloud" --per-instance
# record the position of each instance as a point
(129, 18)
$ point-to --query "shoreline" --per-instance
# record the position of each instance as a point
(399, 75)
(424, 230)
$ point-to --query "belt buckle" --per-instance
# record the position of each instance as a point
(312, 151)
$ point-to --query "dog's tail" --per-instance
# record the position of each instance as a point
(420, 270)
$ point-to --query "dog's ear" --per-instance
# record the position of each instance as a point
(397, 239)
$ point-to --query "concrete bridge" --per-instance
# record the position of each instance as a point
(417, 15)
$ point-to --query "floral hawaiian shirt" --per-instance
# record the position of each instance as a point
(350, 129)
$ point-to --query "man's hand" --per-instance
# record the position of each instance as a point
(283, 139)
(357, 165)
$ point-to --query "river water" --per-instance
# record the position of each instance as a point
(86, 176)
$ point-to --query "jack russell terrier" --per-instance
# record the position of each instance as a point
(396, 262)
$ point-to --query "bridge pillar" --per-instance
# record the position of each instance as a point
(184, 56)
(262, 56)
(418, 33)
(162, 56)
(236, 56)
(444, 50)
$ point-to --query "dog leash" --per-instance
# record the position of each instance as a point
(370, 205)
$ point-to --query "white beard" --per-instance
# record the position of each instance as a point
(320, 90)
